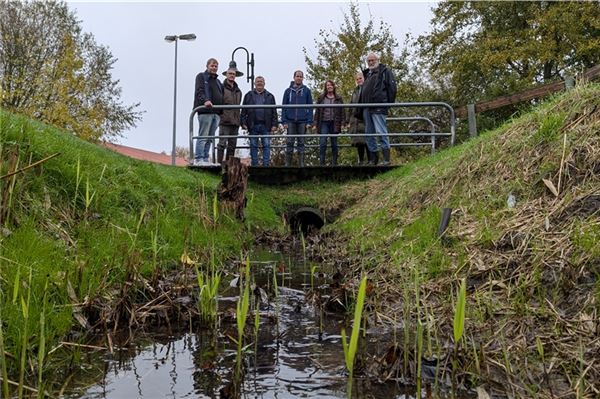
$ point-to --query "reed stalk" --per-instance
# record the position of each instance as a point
(16, 285)
(459, 312)
(215, 209)
(4, 371)
(313, 270)
(242, 312)
(419, 355)
(25, 336)
(458, 325)
(77, 181)
(11, 190)
(89, 197)
(351, 347)
(42, 345)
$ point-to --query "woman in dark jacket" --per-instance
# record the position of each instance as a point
(356, 122)
(329, 121)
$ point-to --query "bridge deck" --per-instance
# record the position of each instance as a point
(278, 175)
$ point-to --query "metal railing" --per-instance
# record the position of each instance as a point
(432, 133)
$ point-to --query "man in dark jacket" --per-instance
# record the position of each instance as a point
(259, 121)
(208, 92)
(379, 87)
(296, 120)
(230, 119)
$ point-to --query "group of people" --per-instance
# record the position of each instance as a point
(375, 85)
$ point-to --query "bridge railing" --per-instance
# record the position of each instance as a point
(432, 133)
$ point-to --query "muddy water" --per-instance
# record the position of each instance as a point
(297, 354)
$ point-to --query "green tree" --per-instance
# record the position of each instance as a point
(52, 71)
(341, 53)
(480, 50)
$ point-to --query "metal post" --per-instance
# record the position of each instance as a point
(174, 109)
(169, 39)
(251, 75)
(472, 120)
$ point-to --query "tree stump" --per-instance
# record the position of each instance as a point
(232, 189)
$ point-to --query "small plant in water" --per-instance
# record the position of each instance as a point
(242, 312)
(207, 297)
(351, 347)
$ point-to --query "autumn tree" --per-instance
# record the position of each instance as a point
(481, 50)
(52, 71)
(342, 52)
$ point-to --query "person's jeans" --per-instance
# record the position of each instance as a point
(259, 129)
(295, 128)
(228, 130)
(208, 126)
(376, 127)
(327, 127)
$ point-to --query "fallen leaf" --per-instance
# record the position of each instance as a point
(186, 260)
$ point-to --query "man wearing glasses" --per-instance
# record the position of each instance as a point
(379, 87)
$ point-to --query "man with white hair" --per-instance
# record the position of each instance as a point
(379, 87)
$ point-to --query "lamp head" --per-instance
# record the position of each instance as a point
(187, 36)
(233, 67)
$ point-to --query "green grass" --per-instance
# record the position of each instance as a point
(93, 219)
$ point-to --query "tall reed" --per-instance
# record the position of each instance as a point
(458, 325)
(11, 189)
(25, 336)
(42, 344)
(4, 371)
(351, 348)
(77, 181)
(243, 305)
(459, 312)
(419, 355)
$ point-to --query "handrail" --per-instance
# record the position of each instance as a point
(433, 134)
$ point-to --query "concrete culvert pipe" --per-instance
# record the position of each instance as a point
(305, 219)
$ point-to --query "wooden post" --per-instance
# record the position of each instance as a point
(472, 120)
(232, 189)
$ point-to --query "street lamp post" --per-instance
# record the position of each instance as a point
(249, 65)
(176, 38)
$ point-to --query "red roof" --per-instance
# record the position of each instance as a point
(144, 155)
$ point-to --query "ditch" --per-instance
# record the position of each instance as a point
(296, 351)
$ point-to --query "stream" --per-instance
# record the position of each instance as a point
(298, 352)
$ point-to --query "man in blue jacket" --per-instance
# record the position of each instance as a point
(259, 121)
(379, 87)
(208, 92)
(296, 120)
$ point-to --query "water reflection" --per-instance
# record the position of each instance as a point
(298, 353)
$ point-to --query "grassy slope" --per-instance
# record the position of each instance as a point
(93, 220)
(532, 270)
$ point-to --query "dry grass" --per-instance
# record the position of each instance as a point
(532, 269)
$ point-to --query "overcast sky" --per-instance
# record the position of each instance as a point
(275, 32)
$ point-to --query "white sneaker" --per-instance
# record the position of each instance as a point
(199, 162)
